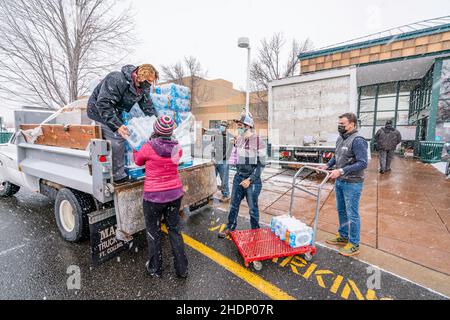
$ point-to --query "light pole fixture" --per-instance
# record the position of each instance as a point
(244, 43)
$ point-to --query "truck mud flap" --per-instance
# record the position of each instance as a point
(200, 204)
(104, 243)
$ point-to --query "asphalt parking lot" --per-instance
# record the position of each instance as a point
(37, 264)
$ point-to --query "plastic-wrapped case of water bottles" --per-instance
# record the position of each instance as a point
(294, 232)
(172, 99)
(174, 91)
(140, 127)
(185, 135)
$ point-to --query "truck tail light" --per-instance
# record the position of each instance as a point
(102, 159)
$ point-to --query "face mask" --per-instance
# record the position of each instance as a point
(145, 85)
(342, 129)
(241, 131)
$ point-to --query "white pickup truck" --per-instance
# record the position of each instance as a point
(80, 182)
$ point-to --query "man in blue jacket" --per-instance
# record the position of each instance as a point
(349, 163)
(251, 152)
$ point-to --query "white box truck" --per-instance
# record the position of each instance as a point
(304, 112)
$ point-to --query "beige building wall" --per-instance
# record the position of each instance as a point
(222, 102)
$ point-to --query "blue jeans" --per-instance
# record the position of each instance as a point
(238, 194)
(347, 201)
(223, 170)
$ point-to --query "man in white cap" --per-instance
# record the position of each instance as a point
(247, 183)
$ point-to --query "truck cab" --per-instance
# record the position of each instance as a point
(10, 176)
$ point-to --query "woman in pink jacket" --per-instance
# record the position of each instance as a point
(163, 193)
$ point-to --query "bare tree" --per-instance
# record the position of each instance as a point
(188, 73)
(270, 63)
(51, 49)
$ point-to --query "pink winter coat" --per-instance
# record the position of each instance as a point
(161, 158)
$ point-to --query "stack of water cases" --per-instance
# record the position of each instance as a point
(174, 100)
(294, 232)
(184, 133)
(140, 128)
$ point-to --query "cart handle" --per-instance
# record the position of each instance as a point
(319, 189)
(327, 174)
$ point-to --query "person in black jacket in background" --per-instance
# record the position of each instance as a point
(222, 147)
(387, 139)
(118, 92)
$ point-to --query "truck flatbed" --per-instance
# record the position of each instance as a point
(81, 183)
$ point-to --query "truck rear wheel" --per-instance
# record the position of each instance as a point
(71, 210)
(7, 189)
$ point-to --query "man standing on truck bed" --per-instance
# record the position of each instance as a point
(350, 161)
(118, 92)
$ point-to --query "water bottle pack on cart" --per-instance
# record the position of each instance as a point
(298, 239)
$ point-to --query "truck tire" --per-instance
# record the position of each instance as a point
(7, 189)
(71, 210)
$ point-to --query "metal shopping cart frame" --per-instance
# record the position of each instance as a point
(262, 244)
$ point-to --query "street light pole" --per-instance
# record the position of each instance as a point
(247, 104)
(244, 43)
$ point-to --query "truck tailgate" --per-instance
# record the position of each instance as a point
(199, 182)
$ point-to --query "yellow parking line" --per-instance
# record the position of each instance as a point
(254, 280)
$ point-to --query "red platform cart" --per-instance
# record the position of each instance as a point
(262, 244)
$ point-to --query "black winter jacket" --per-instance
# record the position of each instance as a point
(114, 94)
(388, 138)
(251, 158)
(222, 147)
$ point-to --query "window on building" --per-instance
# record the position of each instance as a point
(420, 97)
(402, 118)
(366, 118)
(387, 101)
(366, 132)
(407, 86)
(387, 90)
(214, 124)
(367, 105)
(382, 117)
(403, 102)
(368, 92)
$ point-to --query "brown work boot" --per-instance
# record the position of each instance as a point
(224, 199)
(349, 250)
(337, 241)
(225, 233)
